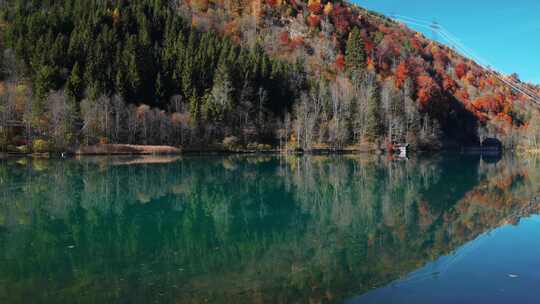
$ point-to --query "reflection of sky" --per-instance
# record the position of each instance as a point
(502, 266)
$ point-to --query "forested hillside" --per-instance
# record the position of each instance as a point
(240, 74)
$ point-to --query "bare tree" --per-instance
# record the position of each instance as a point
(307, 113)
(61, 116)
(96, 116)
(7, 115)
(119, 119)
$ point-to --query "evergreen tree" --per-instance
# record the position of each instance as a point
(373, 121)
(222, 91)
(74, 85)
(44, 81)
(160, 89)
(355, 51)
(195, 107)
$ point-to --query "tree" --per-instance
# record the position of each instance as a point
(373, 121)
(355, 51)
(221, 100)
(427, 89)
(74, 85)
(307, 111)
(44, 81)
(2, 65)
(160, 90)
(62, 116)
(402, 72)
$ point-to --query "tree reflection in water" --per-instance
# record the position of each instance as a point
(242, 229)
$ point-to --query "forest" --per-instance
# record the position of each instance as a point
(232, 75)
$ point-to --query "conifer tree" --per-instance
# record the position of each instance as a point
(373, 120)
(74, 84)
(355, 51)
(222, 90)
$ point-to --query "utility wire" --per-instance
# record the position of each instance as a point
(460, 47)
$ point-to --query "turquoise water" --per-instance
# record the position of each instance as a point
(270, 229)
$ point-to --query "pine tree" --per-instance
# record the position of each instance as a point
(120, 83)
(355, 51)
(222, 90)
(373, 121)
(186, 78)
(159, 88)
(44, 81)
(194, 107)
(74, 85)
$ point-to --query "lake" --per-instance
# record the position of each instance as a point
(448, 228)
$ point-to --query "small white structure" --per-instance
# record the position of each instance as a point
(402, 149)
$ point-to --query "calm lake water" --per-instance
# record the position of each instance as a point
(270, 229)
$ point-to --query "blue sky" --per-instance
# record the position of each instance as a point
(503, 33)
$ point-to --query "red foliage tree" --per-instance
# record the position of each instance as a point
(427, 89)
(449, 84)
(340, 62)
(402, 72)
(488, 103)
(272, 3)
(368, 44)
(284, 38)
(313, 21)
(340, 17)
(416, 44)
(461, 70)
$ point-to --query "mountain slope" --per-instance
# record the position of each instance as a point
(445, 84)
(244, 74)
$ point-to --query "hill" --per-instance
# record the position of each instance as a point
(243, 74)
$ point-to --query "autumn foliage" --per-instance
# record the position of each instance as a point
(313, 20)
(402, 72)
(461, 70)
(427, 89)
(314, 6)
(340, 62)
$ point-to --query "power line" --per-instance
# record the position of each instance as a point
(461, 48)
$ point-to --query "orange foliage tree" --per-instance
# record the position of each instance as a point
(314, 6)
(402, 72)
(427, 89)
(461, 70)
(449, 84)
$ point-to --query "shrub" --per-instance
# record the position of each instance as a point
(40, 146)
(23, 149)
(230, 142)
(264, 147)
(259, 147)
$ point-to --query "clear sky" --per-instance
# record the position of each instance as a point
(504, 33)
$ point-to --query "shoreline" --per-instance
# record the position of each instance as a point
(141, 151)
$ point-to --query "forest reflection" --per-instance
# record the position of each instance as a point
(243, 229)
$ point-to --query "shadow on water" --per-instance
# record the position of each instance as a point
(242, 229)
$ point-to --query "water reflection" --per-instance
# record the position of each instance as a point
(243, 229)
